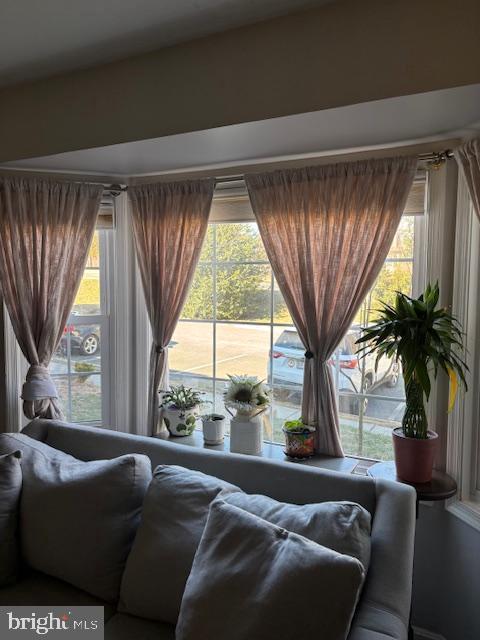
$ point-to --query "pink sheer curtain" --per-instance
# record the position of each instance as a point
(46, 232)
(169, 224)
(327, 231)
(468, 158)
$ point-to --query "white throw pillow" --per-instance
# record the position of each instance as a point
(252, 579)
(344, 527)
(10, 488)
(173, 518)
(78, 519)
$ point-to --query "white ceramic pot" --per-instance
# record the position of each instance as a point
(179, 422)
(214, 429)
(246, 435)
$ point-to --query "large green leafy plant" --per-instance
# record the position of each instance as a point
(425, 339)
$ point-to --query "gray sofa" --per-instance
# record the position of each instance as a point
(384, 607)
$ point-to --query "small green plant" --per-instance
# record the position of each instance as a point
(296, 426)
(180, 397)
(425, 339)
(83, 367)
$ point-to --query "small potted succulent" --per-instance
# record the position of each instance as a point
(249, 397)
(213, 428)
(299, 439)
(425, 339)
(179, 409)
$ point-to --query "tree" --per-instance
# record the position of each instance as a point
(242, 290)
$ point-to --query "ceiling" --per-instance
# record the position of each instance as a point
(45, 37)
(381, 124)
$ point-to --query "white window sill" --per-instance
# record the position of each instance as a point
(274, 451)
(465, 510)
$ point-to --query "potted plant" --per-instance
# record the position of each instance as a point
(249, 397)
(425, 339)
(213, 428)
(180, 408)
(299, 439)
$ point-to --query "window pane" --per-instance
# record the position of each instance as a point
(239, 241)
(280, 311)
(86, 398)
(402, 245)
(191, 350)
(371, 401)
(244, 292)
(207, 249)
(285, 378)
(199, 383)
(199, 304)
(242, 349)
(87, 301)
(63, 388)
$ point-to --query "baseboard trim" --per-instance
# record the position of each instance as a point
(424, 634)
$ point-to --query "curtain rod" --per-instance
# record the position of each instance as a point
(433, 159)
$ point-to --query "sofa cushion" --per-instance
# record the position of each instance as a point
(38, 589)
(10, 488)
(125, 627)
(252, 579)
(173, 519)
(342, 526)
(78, 519)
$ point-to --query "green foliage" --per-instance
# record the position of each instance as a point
(296, 426)
(84, 367)
(242, 290)
(425, 339)
(181, 397)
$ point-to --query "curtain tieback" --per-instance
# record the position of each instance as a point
(38, 384)
(308, 355)
(159, 348)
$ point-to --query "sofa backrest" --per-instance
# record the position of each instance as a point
(286, 482)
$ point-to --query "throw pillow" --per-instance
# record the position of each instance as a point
(342, 526)
(174, 516)
(78, 519)
(252, 579)
(10, 488)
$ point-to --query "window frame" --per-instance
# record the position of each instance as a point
(463, 450)
(104, 320)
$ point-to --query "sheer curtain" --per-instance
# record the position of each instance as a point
(169, 224)
(46, 232)
(327, 231)
(468, 158)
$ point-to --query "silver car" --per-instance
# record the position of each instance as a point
(348, 370)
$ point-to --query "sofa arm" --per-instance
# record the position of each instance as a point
(385, 604)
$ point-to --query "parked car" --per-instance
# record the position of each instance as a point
(288, 363)
(84, 338)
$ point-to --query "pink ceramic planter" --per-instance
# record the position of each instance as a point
(414, 457)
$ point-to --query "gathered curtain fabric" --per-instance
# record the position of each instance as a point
(468, 158)
(327, 231)
(46, 232)
(170, 221)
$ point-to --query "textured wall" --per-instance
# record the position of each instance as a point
(343, 53)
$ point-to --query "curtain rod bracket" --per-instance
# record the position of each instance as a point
(115, 190)
(436, 160)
